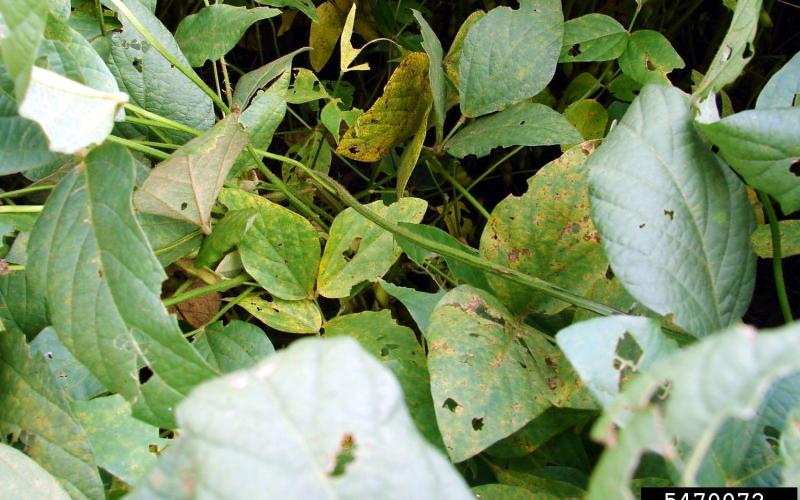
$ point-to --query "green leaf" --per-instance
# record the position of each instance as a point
(281, 251)
(227, 233)
(607, 352)
(763, 146)
(290, 316)
(216, 29)
(149, 79)
(736, 50)
(420, 305)
(537, 432)
(453, 58)
(358, 250)
(487, 371)
(525, 124)
(589, 117)
(304, 6)
(317, 436)
(496, 70)
(186, 185)
(433, 47)
(790, 449)
(729, 372)
(397, 347)
(395, 116)
(593, 37)
(673, 219)
(25, 21)
(410, 156)
(124, 446)
(547, 232)
(649, 58)
(24, 479)
(72, 116)
(234, 346)
(90, 258)
(782, 89)
(790, 239)
(170, 239)
(503, 492)
(75, 379)
(33, 409)
(251, 82)
(21, 307)
(260, 120)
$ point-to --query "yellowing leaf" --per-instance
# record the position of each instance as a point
(325, 34)
(348, 52)
(395, 116)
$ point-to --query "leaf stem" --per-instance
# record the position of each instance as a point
(206, 290)
(21, 209)
(25, 191)
(138, 147)
(777, 255)
(461, 189)
(166, 122)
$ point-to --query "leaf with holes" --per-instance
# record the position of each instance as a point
(649, 58)
(75, 379)
(593, 37)
(346, 434)
(290, 316)
(673, 240)
(359, 251)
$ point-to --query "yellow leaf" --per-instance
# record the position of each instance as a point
(325, 34)
(395, 116)
(348, 52)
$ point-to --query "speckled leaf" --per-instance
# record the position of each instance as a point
(186, 185)
(290, 316)
(302, 412)
(395, 116)
(525, 124)
(433, 47)
(488, 371)
(24, 479)
(227, 233)
(281, 250)
(593, 37)
(503, 492)
(216, 29)
(124, 446)
(496, 70)
(783, 89)
(763, 146)
(453, 58)
(358, 250)
(674, 220)
(21, 306)
(790, 449)
(790, 239)
(90, 258)
(735, 51)
(548, 233)
(33, 408)
(397, 347)
(75, 379)
(420, 305)
(649, 58)
(325, 34)
(234, 346)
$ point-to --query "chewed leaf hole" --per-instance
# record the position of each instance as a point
(144, 374)
(794, 167)
(477, 423)
(386, 349)
(628, 355)
(748, 51)
(575, 50)
(451, 404)
(184, 205)
(345, 456)
(351, 252)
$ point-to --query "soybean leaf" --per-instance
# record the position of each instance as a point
(782, 89)
(410, 156)
(348, 53)
(496, 70)
(281, 249)
(215, 30)
(90, 259)
(790, 239)
(72, 116)
(25, 21)
(593, 37)
(290, 316)
(589, 117)
(524, 124)
(453, 58)
(234, 346)
(547, 232)
(395, 116)
(433, 47)
(186, 185)
(537, 432)
(790, 449)
(33, 409)
(649, 58)
(324, 34)
(397, 347)
(487, 371)
(502, 492)
(124, 446)
(303, 434)
(420, 305)
(23, 478)
(170, 238)
(21, 306)
(736, 50)
(358, 250)
(672, 218)
(304, 6)
(763, 146)
(251, 82)
(76, 380)
(149, 79)
(225, 236)
(732, 370)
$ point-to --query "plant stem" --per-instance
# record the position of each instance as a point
(21, 209)
(461, 189)
(777, 256)
(166, 122)
(24, 191)
(206, 290)
(227, 80)
(138, 147)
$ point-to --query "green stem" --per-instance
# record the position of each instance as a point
(25, 191)
(452, 132)
(206, 290)
(138, 147)
(166, 122)
(777, 255)
(461, 189)
(227, 80)
(21, 209)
